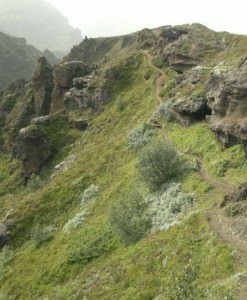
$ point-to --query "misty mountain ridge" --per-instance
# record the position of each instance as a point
(40, 23)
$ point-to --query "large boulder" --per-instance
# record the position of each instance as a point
(33, 149)
(76, 99)
(227, 98)
(63, 77)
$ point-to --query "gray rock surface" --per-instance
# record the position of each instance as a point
(33, 149)
(227, 98)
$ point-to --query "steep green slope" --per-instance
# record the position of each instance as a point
(46, 258)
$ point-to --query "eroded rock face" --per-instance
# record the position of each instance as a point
(184, 46)
(76, 99)
(171, 34)
(33, 149)
(227, 98)
(84, 95)
(9, 96)
(63, 76)
(192, 109)
(42, 84)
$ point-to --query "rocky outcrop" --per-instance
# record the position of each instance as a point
(33, 149)
(43, 120)
(194, 108)
(79, 124)
(172, 33)
(9, 97)
(20, 115)
(184, 47)
(63, 76)
(227, 98)
(23, 101)
(84, 95)
(42, 85)
(145, 39)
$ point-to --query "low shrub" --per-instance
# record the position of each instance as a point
(34, 183)
(140, 136)
(129, 218)
(6, 255)
(159, 163)
(121, 105)
(91, 244)
(167, 206)
(89, 194)
(41, 234)
(88, 197)
(185, 286)
(77, 220)
(164, 111)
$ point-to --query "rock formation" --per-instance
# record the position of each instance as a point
(33, 149)
(42, 84)
(63, 76)
(227, 98)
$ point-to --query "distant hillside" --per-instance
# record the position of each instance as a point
(17, 59)
(40, 23)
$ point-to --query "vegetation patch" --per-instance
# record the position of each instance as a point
(159, 163)
(140, 136)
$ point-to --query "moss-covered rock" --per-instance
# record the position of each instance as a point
(33, 149)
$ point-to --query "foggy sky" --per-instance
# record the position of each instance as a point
(113, 17)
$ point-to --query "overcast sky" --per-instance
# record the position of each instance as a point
(114, 17)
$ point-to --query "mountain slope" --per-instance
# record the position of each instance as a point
(17, 59)
(29, 18)
(83, 138)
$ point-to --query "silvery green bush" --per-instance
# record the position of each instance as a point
(77, 220)
(140, 136)
(167, 206)
(41, 234)
(87, 199)
(89, 194)
(164, 111)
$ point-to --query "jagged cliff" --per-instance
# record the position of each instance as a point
(71, 138)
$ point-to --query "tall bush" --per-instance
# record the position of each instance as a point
(159, 163)
(129, 218)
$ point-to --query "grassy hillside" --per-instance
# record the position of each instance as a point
(48, 257)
